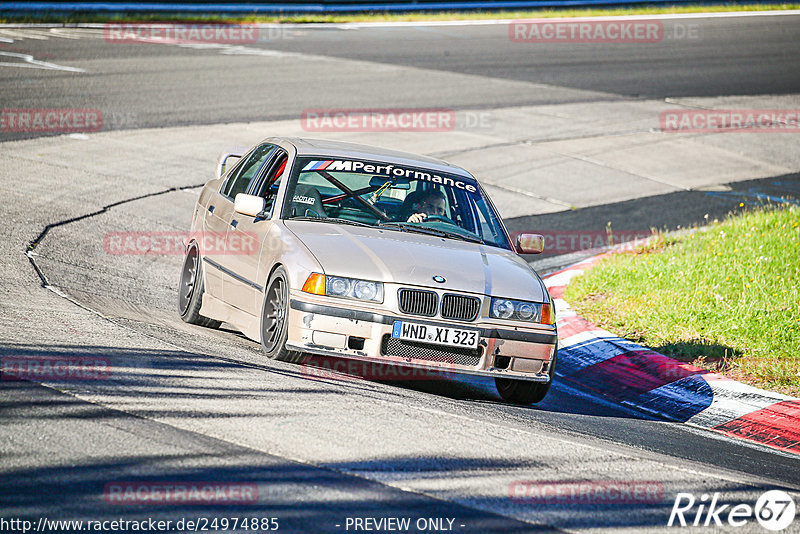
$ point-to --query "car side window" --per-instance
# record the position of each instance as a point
(247, 171)
(271, 179)
(486, 229)
(231, 175)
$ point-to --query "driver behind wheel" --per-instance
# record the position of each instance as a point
(429, 203)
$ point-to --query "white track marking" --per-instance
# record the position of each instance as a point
(25, 34)
(357, 25)
(97, 29)
(519, 191)
(32, 63)
(64, 33)
(232, 50)
(10, 34)
(80, 33)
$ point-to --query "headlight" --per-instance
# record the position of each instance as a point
(355, 289)
(526, 311)
(338, 286)
(364, 290)
(502, 309)
(517, 310)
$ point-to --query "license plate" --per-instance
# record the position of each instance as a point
(435, 335)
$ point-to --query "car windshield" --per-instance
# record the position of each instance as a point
(394, 197)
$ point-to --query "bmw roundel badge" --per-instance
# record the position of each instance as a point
(439, 279)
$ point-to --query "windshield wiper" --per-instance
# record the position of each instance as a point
(333, 220)
(438, 232)
(471, 239)
(414, 228)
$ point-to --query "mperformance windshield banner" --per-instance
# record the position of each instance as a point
(389, 170)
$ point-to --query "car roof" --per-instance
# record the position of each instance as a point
(341, 149)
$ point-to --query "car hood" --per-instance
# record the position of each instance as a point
(414, 259)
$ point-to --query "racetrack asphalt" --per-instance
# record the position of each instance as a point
(187, 404)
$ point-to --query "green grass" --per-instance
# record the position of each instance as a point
(392, 17)
(724, 297)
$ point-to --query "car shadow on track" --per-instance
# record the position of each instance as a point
(560, 399)
(182, 386)
(118, 467)
(173, 374)
(137, 469)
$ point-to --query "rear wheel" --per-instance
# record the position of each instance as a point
(275, 319)
(190, 290)
(524, 391)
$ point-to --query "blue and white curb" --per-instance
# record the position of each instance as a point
(665, 388)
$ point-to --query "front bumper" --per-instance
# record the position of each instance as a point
(317, 326)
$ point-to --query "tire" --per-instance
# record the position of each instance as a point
(523, 391)
(190, 290)
(275, 319)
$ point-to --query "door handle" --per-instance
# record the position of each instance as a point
(234, 223)
(211, 209)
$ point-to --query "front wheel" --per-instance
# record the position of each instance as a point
(275, 319)
(523, 391)
(190, 290)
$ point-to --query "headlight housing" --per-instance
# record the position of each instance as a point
(519, 310)
(339, 286)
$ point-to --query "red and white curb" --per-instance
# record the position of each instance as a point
(636, 376)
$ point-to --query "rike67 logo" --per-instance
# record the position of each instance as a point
(774, 510)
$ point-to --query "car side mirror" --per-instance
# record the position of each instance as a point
(529, 243)
(250, 205)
